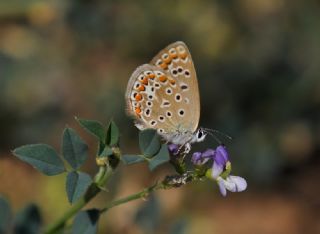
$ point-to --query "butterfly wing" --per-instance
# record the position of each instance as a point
(176, 61)
(165, 95)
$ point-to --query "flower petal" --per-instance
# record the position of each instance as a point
(209, 153)
(173, 149)
(230, 185)
(217, 169)
(196, 158)
(222, 187)
(240, 183)
(221, 155)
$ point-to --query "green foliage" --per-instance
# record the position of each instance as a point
(153, 152)
(74, 149)
(28, 221)
(112, 137)
(161, 157)
(86, 222)
(132, 159)
(5, 216)
(94, 127)
(107, 151)
(149, 142)
(41, 156)
(76, 185)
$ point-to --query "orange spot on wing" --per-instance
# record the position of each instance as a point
(163, 78)
(141, 88)
(173, 56)
(152, 76)
(138, 97)
(144, 81)
(183, 55)
(138, 110)
(172, 82)
(164, 66)
(167, 60)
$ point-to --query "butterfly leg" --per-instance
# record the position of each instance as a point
(187, 148)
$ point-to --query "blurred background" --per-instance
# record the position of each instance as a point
(258, 66)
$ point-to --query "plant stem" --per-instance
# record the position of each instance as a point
(144, 193)
(102, 176)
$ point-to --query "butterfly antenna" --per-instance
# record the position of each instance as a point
(213, 132)
(214, 136)
(222, 134)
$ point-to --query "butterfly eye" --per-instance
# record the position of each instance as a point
(201, 135)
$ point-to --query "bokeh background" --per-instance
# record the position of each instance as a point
(258, 66)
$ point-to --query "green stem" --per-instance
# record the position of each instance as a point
(144, 193)
(102, 176)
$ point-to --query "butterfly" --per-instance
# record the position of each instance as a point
(164, 95)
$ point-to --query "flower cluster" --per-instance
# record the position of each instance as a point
(220, 168)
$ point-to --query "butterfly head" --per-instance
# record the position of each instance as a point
(199, 135)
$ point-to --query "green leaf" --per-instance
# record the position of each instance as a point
(149, 142)
(129, 159)
(41, 156)
(162, 157)
(5, 216)
(28, 220)
(77, 184)
(112, 137)
(94, 127)
(86, 222)
(74, 149)
(107, 151)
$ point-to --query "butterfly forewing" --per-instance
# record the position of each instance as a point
(176, 60)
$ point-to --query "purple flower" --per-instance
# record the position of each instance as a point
(173, 149)
(232, 184)
(220, 161)
(198, 159)
(221, 168)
